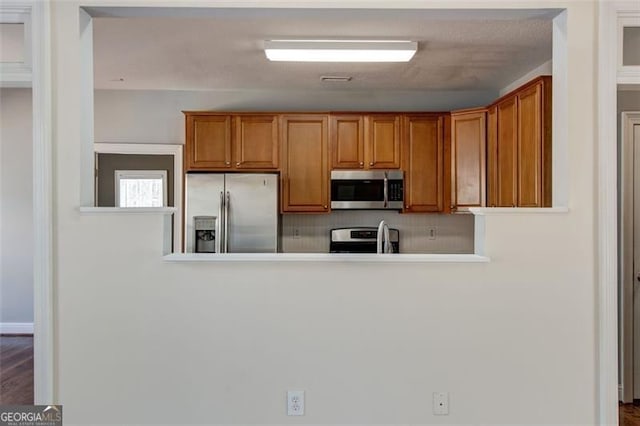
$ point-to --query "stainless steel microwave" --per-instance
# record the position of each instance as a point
(367, 189)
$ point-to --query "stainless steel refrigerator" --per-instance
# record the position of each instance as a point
(231, 213)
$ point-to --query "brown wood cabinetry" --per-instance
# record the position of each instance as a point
(361, 141)
(506, 154)
(216, 142)
(347, 141)
(305, 171)
(492, 150)
(519, 160)
(468, 158)
(208, 142)
(382, 147)
(423, 150)
(256, 142)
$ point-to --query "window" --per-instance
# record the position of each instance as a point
(141, 188)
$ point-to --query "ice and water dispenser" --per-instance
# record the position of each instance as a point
(205, 238)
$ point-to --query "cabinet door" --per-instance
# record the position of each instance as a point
(256, 142)
(424, 160)
(468, 152)
(507, 153)
(347, 141)
(305, 171)
(530, 147)
(492, 157)
(208, 142)
(382, 146)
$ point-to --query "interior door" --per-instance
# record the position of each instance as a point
(636, 261)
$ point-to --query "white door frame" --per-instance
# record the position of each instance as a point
(156, 149)
(629, 119)
(35, 72)
(610, 14)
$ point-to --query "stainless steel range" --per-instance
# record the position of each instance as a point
(360, 240)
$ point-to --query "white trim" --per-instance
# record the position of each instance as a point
(16, 328)
(156, 149)
(129, 210)
(326, 257)
(629, 119)
(620, 393)
(560, 164)
(607, 210)
(18, 74)
(43, 342)
(627, 74)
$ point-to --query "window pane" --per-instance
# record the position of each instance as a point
(631, 46)
(141, 192)
(11, 42)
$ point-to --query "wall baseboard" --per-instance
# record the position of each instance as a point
(620, 398)
(16, 328)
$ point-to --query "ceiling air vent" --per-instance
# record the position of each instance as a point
(335, 78)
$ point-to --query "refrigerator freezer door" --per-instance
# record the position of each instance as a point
(202, 198)
(253, 213)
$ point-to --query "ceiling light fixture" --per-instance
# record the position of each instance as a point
(340, 50)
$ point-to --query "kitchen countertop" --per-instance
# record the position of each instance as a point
(326, 257)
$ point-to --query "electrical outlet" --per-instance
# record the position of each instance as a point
(295, 403)
(441, 403)
(431, 232)
(296, 233)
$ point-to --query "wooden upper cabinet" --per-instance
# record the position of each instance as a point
(208, 142)
(256, 142)
(223, 142)
(382, 141)
(423, 152)
(506, 154)
(468, 158)
(534, 145)
(305, 171)
(520, 147)
(492, 152)
(347, 141)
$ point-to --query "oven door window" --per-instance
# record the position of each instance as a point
(357, 190)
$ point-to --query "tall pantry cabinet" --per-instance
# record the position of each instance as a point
(519, 147)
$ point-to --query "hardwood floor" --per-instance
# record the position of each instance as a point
(16, 370)
(16, 377)
(629, 415)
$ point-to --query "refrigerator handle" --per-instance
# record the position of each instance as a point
(226, 223)
(220, 230)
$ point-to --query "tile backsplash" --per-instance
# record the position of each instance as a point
(309, 233)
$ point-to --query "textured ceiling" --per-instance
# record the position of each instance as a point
(223, 49)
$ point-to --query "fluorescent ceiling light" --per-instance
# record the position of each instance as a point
(340, 50)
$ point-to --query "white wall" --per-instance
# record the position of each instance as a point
(513, 340)
(542, 69)
(16, 217)
(155, 116)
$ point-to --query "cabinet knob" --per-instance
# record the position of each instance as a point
(407, 207)
(227, 163)
(371, 163)
(237, 164)
(361, 163)
(325, 207)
